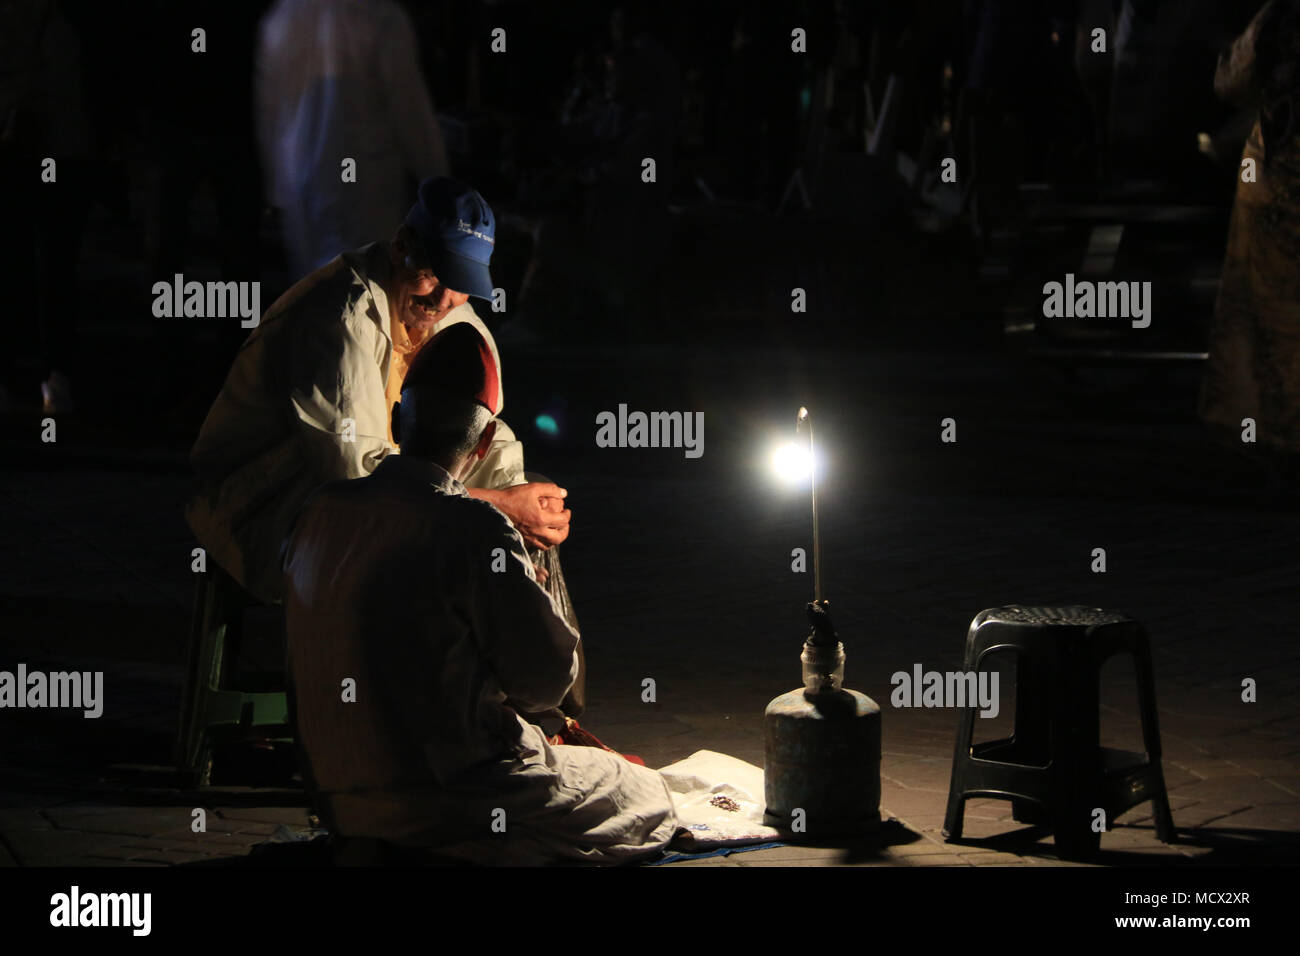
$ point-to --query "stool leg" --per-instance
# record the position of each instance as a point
(191, 731)
(1164, 819)
(1032, 728)
(954, 817)
(1033, 709)
(1076, 758)
(1073, 833)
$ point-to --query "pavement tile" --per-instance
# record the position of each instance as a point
(798, 854)
(129, 822)
(913, 800)
(115, 862)
(261, 831)
(290, 816)
(1180, 750)
(1175, 775)
(922, 847)
(1268, 767)
(993, 859)
(1192, 851)
(988, 809)
(1288, 783)
(1288, 726)
(1237, 747)
(758, 860)
(1239, 788)
(970, 849)
(1192, 769)
(89, 861)
(210, 842)
(215, 827)
(918, 773)
(23, 819)
(1143, 813)
(1273, 816)
(169, 856)
(944, 860)
(60, 847)
(1207, 813)
(978, 828)
(705, 861)
(1129, 835)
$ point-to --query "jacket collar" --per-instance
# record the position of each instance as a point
(418, 471)
(371, 264)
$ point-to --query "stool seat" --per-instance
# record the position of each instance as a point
(1052, 768)
(1069, 616)
(212, 710)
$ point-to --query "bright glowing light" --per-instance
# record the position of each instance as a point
(546, 425)
(793, 462)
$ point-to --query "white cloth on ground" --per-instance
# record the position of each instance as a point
(705, 785)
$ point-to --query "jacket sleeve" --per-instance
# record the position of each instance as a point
(503, 465)
(336, 393)
(526, 641)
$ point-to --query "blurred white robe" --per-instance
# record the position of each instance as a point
(336, 80)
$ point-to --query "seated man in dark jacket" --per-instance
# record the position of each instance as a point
(417, 632)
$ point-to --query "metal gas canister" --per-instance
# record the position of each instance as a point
(822, 746)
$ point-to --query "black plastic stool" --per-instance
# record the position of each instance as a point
(1053, 768)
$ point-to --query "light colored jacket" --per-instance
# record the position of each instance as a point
(304, 403)
(427, 602)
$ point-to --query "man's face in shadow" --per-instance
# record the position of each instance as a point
(417, 296)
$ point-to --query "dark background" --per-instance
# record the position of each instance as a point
(922, 303)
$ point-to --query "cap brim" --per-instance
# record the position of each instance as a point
(462, 274)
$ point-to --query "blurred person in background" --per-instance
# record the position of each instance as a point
(1254, 365)
(339, 80)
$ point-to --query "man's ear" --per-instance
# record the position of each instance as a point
(485, 440)
(396, 423)
(399, 248)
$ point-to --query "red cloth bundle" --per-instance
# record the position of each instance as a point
(575, 736)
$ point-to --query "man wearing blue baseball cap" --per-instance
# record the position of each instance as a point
(309, 397)
(457, 230)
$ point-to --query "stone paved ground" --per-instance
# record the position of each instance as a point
(680, 570)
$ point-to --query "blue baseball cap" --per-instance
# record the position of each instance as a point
(457, 229)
